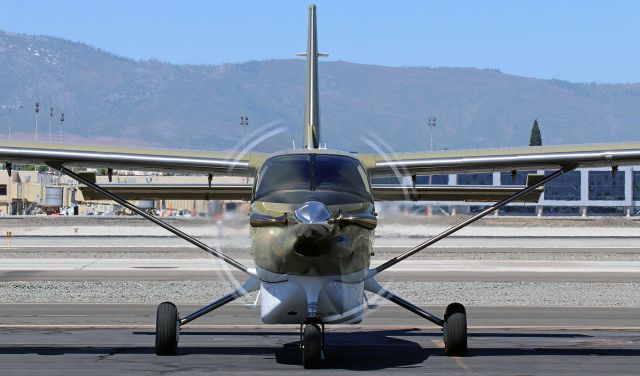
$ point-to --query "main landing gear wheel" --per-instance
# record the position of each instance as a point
(455, 330)
(311, 342)
(167, 327)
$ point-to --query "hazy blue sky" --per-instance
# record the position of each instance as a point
(570, 40)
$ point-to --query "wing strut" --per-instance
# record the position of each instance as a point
(468, 221)
(153, 219)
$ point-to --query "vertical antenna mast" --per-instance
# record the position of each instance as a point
(311, 110)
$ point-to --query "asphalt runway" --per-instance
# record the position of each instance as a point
(74, 339)
(118, 339)
(87, 269)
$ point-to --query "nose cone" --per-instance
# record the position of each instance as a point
(313, 232)
(313, 212)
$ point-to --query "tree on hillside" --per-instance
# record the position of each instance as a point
(536, 136)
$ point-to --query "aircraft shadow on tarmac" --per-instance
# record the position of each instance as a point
(363, 350)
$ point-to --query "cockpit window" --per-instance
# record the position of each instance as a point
(284, 173)
(312, 172)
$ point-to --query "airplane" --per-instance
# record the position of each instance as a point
(313, 216)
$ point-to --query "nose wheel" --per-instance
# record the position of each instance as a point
(311, 343)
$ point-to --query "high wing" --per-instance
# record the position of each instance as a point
(469, 193)
(242, 192)
(507, 159)
(138, 159)
(150, 191)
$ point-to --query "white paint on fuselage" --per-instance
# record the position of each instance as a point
(289, 299)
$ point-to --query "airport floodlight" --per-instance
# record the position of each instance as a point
(10, 107)
(61, 121)
(244, 122)
(37, 111)
(50, 120)
(431, 123)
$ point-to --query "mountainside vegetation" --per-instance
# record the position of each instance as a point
(110, 99)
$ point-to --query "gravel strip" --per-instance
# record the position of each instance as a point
(520, 254)
(556, 255)
(422, 293)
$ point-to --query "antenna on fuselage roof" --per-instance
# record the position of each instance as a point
(311, 110)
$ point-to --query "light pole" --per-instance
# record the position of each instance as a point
(244, 122)
(10, 107)
(50, 118)
(61, 121)
(37, 112)
(431, 123)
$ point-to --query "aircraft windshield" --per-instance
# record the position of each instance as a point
(312, 172)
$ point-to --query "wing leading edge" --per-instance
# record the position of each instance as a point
(508, 159)
(131, 158)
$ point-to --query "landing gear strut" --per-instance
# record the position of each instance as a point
(311, 343)
(454, 324)
(168, 322)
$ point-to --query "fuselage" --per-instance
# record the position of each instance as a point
(312, 190)
(312, 226)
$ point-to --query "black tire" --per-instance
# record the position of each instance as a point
(455, 330)
(167, 329)
(311, 346)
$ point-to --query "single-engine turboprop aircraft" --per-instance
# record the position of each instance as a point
(312, 215)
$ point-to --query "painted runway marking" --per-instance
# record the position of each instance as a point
(458, 360)
(332, 328)
(376, 247)
(519, 248)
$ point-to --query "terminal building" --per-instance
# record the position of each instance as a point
(33, 192)
(585, 192)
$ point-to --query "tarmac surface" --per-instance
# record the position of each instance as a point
(118, 339)
(495, 270)
(87, 269)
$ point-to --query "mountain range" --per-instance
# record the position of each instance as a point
(107, 99)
